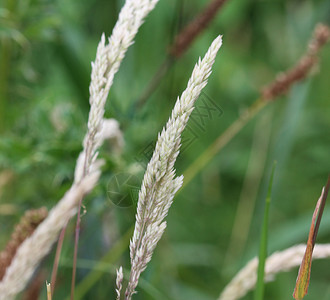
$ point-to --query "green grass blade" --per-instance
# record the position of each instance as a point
(110, 258)
(260, 287)
(304, 273)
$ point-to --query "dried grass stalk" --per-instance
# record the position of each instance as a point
(189, 33)
(35, 287)
(26, 226)
(285, 80)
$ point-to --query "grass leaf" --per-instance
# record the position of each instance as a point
(302, 282)
(259, 291)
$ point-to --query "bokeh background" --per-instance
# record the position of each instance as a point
(46, 48)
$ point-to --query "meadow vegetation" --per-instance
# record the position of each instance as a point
(267, 99)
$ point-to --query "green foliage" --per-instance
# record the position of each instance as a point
(45, 53)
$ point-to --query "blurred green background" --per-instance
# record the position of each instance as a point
(45, 54)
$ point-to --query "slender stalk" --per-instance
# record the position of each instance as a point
(57, 259)
(75, 252)
(156, 79)
(189, 33)
(250, 188)
(49, 291)
(259, 292)
(304, 273)
(222, 140)
(110, 258)
(181, 44)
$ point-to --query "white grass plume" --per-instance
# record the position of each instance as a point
(108, 59)
(281, 261)
(160, 184)
(119, 281)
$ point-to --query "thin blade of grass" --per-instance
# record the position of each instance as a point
(260, 287)
(304, 273)
(110, 258)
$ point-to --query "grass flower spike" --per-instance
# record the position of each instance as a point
(160, 184)
(119, 281)
(108, 59)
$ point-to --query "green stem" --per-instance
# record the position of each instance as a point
(260, 287)
(155, 81)
(222, 141)
(110, 258)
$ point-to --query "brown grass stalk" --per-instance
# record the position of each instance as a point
(189, 33)
(279, 86)
(28, 223)
(285, 80)
(182, 42)
(35, 287)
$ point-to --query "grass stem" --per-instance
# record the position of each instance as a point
(260, 287)
(222, 141)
